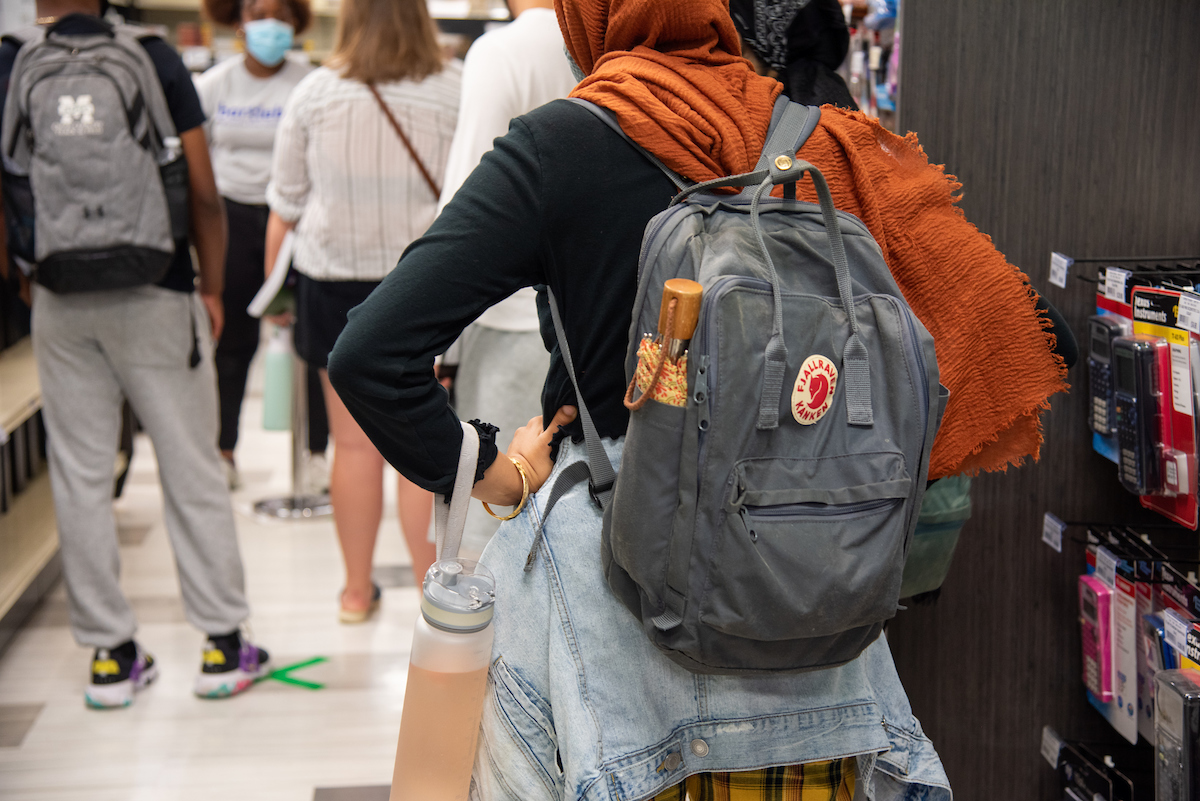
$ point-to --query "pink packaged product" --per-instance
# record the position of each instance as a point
(1095, 620)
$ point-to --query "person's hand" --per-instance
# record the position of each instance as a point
(283, 319)
(501, 483)
(531, 446)
(216, 313)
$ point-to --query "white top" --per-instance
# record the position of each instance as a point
(343, 173)
(243, 112)
(508, 72)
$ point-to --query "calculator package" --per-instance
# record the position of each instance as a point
(1113, 318)
(1155, 375)
(1144, 388)
(1177, 736)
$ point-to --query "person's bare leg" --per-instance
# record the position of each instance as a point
(415, 507)
(356, 492)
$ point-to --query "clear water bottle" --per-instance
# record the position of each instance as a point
(447, 680)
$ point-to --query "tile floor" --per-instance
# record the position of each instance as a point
(277, 742)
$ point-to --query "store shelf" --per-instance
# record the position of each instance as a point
(439, 9)
(169, 5)
(28, 540)
(20, 392)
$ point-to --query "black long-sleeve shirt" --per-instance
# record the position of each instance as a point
(561, 201)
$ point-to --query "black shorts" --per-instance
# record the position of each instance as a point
(321, 309)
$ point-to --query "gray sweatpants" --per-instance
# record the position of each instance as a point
(92, 349)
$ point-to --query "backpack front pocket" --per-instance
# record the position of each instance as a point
(639, 518)
(809, 547)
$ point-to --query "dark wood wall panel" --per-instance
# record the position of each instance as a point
(1074, 126)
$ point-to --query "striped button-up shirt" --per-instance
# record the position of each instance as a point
(343, 175)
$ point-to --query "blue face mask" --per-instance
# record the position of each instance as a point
(268, 40)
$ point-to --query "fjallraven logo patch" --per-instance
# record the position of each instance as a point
(813, 394)
(77, 117)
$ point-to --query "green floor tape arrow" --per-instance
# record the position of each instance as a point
(283, 674)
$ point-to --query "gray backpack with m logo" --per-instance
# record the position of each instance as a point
(763, 526)
(95, 185)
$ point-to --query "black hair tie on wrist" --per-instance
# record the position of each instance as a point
(488, 451)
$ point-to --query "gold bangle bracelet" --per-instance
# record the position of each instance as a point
(524, 494)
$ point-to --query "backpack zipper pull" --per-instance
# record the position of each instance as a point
(744, 513)
(700, 393)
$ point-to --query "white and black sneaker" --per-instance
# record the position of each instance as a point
(117, 673)
(230, 665)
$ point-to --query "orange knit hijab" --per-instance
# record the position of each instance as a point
(672, 72)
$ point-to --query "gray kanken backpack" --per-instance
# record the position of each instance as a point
(763, 526)
(95, 186)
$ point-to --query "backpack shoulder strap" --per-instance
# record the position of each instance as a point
(30, 34)
(12, 152)
(603, 475)
(130, 38)
(605, 116)
(791, 125)
(598, 470)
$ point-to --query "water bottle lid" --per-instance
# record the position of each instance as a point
(459, 595)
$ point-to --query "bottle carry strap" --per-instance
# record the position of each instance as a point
(449, 519)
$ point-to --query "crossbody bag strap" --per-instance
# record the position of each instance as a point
(387, 112)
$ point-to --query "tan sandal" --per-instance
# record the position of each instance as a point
(352, 616)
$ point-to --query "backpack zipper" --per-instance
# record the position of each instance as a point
(914, 346)
(802, 510)
(709, 310)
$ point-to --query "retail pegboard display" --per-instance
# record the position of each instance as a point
(1138, 612)
(1070, 141)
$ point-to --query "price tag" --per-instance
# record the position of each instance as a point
(1106, 567)
(1181, 379)
(1114, 284)
(1051, 745)
(1059, 264)
(1175, 629)
(1189, 312)
(1052, 531)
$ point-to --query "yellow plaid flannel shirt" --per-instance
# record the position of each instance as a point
(815, 781)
